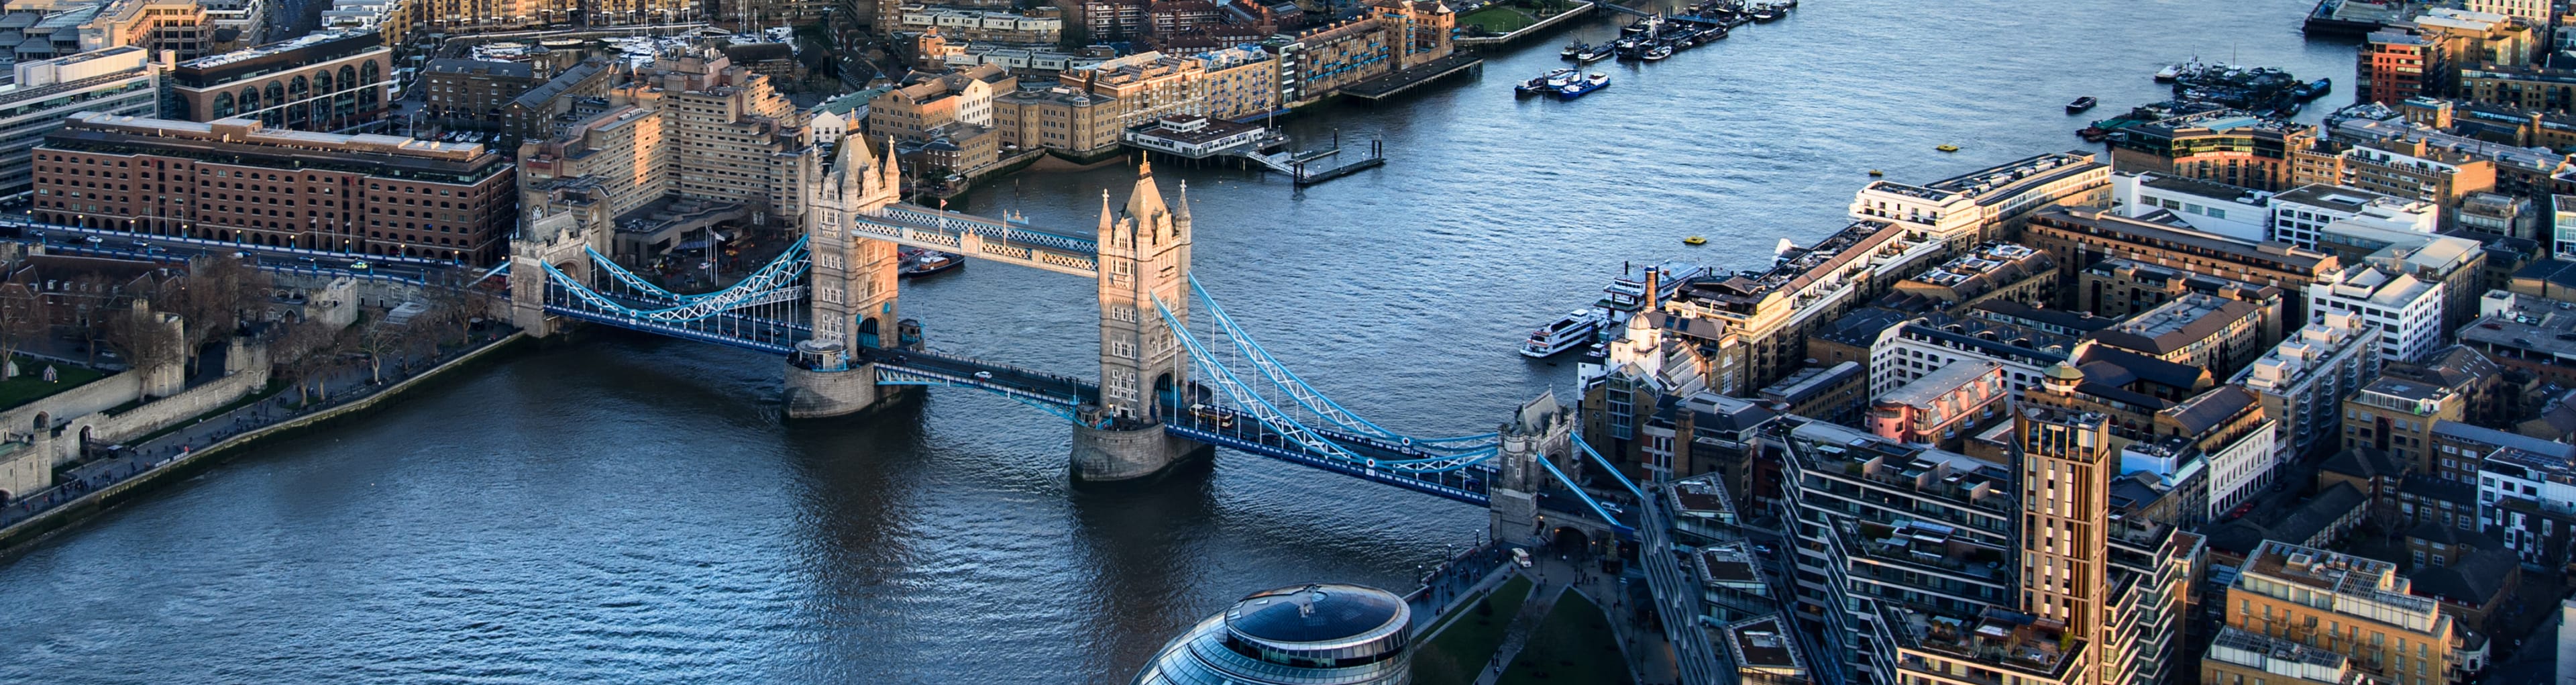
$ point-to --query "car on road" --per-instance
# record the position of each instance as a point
(983, 375)
(1211, 415)
(1521, 556)
(358, 266)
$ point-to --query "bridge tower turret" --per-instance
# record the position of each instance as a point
(853, 293)
(1144, 256)
(1542, 429)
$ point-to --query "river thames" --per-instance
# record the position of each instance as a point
(631, 510)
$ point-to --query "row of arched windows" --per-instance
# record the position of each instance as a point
(265, 100)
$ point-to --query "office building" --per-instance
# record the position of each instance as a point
(2194, 330)
(117, 81)
(2223, 146)
(2407, 311)
(1943, 407)
(2207, 206)
(2081, 237)
(2300, 215)
(1986, 204)
(1320, 634)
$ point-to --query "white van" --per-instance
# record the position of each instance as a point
(1521, 556)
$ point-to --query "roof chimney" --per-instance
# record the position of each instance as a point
(1654, 288)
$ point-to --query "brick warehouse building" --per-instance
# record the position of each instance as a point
(237, 180)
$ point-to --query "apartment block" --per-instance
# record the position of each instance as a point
(2303, 380)
(118, 81)
(2348, 605)
(331, 81)
(1986, 204)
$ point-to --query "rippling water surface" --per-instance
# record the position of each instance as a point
(629, 510)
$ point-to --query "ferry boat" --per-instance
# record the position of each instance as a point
(930, 263)
(2081, 104)
(1574, 330)
(1658, 53)
(1550, 82)
(1590, 82)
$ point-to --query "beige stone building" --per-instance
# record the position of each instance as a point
(2348, 605)
(711, 138)
(332, 81)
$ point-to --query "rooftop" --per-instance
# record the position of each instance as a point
(2176, 324)
(2532, 328)
(2355, 585)
(1763, 643)
(1930, 388)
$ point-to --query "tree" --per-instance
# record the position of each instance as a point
(216, 295)
(304, 355)
(380, 339)
(143, 337)
(22, 322)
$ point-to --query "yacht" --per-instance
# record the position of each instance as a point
(1552, 81)
(1574, 330)
(2169, 73)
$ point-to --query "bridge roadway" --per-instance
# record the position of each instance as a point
(1210, 425)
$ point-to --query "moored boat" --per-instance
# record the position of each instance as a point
(1571, 331)
(1579, 88)
(1545, 83)
(2092, 134)
(2081, 104)
(1658, 53)
(930, 263)
(1571, 49)
(1594, 54)
(2169, 73)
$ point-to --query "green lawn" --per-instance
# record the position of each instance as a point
(1459, 648)
(1574, 645)
(1499, 19)
(30, 384)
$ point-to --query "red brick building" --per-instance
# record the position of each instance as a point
(236, 180)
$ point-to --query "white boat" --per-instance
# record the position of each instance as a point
(1574, 330)
(2169, 73)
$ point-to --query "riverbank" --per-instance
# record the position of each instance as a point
(18, 535)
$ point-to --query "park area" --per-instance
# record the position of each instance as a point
(1510, 15)
(1460, 647)
(1573, 645)
(30, 384)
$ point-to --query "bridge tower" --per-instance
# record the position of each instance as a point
(1542, 429)
(853, 295)
(558, 239)
(1144, 251)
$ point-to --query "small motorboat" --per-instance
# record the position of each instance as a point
(1765, 13)
(1946, 147)
(1571, 49)
(930, 263)
(1694, 240)
(2092, 134)
(1874, 173)
(1578, 88)
(1546, 83)
(2081, 104)
(1594, 54)
(2169, 73)
(1658, 53)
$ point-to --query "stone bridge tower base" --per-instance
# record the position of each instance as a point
(1542, 429)
(821, 383)
(1114, 454)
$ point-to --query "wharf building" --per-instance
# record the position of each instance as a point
(2299, 216)
(2353, 606)
(1986, 204)
(118, 81)
(330, 82)
(2519, 171)
(1932, 567)
(1321, 634)
(1037, 26)
(947, 120)
(2303, 380)
(683, 149)
(2082, 237)
(521, 109)
(240, 181)
(1234, 83)
(1753, 325)
(2408, 169)
(2232, 211)
(1384, 37)
(2221, 146)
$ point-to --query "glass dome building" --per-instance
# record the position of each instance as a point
(1323, 634)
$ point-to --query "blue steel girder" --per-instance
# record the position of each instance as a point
(1306, 395)
(761, 288)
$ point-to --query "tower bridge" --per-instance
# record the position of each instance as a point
(1177, 377)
